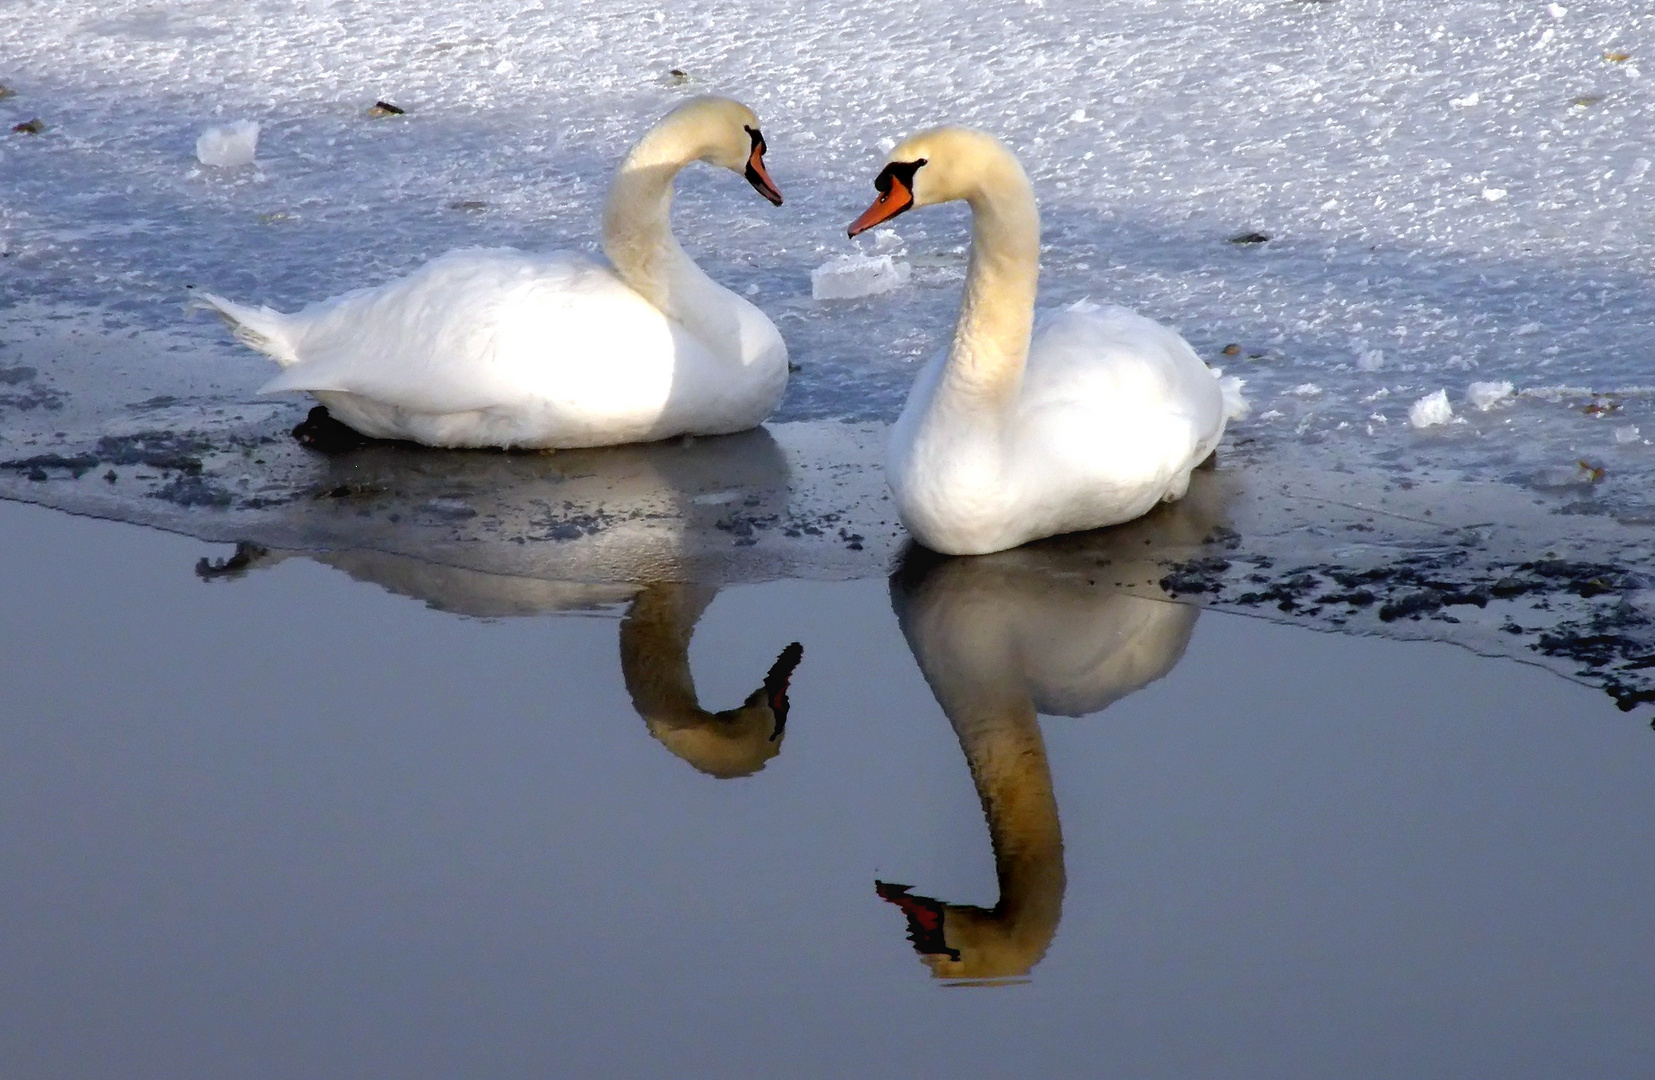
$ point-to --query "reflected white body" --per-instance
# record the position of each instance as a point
(1003, 441)
(650, 515)
(1042, 629)
(507, 348)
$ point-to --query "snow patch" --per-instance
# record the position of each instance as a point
(1431, 410)
(1483, 396)
(228, 145)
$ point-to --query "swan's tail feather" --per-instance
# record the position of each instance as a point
(1236, 405)
(256, 327)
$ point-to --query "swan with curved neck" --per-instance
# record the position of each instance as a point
(505, 348)
(1007, 436)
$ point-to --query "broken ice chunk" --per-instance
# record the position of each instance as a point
(887, 240)
(228, 145)
(1485, 395)
(850, 276)
(1627, 434)
(1431, 410)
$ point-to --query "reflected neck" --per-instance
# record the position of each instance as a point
(1007, 756)
(655, 664)
(655, 653)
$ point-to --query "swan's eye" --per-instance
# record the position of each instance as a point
(900, 171)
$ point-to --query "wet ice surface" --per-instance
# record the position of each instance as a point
(286, 823)
(1351, 205)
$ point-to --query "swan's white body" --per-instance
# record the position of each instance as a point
(505, 348)
(1003, 441)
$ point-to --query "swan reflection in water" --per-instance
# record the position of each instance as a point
(655, 662)
(1064, 627)
(680, 491)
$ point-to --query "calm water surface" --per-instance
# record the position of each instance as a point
(292, 824)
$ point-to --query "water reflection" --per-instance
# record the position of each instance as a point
(655, 662)
(718, 509)
(1065, 627)
(624, 525)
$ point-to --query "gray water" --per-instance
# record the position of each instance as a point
(299, 822)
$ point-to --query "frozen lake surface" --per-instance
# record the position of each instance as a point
(1352, 205)
(292, 821)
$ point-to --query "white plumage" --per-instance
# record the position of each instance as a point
(498, 347)
(1005, 440)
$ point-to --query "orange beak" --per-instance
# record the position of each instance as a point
(759, 176)
(887, 206)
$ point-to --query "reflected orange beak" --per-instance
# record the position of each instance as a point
(759, 176)
(887, 206)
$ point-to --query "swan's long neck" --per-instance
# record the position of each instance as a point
(637, 235)
(991, 337)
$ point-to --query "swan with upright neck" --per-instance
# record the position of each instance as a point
(506, 348)
(1009, 436)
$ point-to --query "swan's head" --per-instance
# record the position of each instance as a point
(739, 741)
(725, 133)
(726, 745)
(960, 941)
(936, 166)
